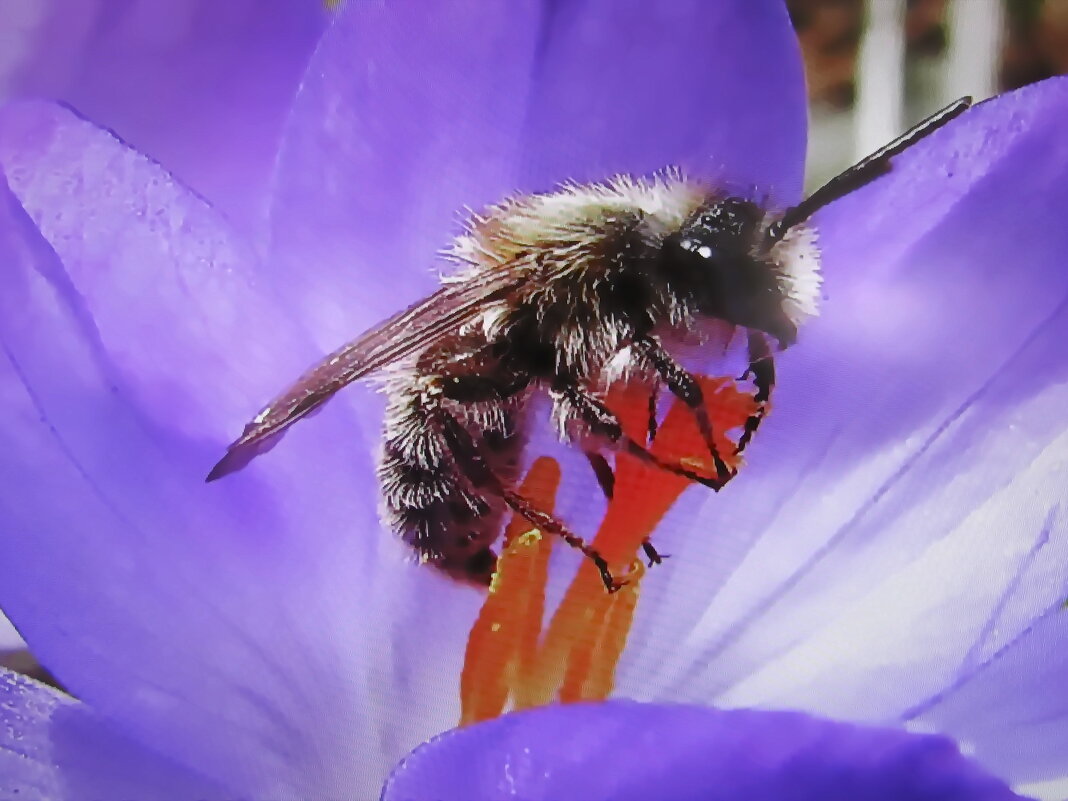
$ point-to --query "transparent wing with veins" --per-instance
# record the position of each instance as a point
(407, 332)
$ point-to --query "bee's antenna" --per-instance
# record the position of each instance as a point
(864, 171)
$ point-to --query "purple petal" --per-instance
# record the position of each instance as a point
(134, 342)
(201, 86)
(54, 747)
(1011, 708)
(157, 274)
(716, 89)
(898, 520)
(623, 751)
(398, 129)
(403, 118)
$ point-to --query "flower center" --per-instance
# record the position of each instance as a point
(509, 656)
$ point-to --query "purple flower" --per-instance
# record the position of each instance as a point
(892, 554)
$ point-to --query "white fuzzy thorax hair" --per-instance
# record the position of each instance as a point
(664, 201)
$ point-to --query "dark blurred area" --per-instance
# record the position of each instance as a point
(1034, 42)
(21, 661)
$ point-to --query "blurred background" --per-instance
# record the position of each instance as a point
(140, 67)
(876, 67)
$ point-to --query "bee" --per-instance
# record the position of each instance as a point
(560, 294)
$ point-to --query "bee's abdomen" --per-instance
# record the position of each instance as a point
(427, 500)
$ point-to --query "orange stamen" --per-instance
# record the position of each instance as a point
(506, 630)
(583, 643)
(598, 671)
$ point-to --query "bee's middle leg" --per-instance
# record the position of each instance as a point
(602, 471)
(602, 421)
(607, 480)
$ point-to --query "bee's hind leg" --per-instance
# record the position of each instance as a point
(472, 464)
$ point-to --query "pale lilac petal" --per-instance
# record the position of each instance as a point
(398, 130)
(52, 746)
(217, 624)
(629, 752)
(9, 638)
(899, 521)
(201, 86)
(1011, 708)
(165, 285)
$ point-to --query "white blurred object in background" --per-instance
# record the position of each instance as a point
(878, 112)
(975, 29)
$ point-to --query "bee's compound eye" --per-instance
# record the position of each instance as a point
(727, 227)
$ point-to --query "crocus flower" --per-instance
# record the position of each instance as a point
(892, 554)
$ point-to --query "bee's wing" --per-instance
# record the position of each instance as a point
(412, 330)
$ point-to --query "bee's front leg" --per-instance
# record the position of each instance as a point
(762, 369)
(686, 388)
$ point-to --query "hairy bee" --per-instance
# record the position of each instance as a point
(561, 294)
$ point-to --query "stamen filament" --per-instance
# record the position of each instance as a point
(600, 669)
(506, 630)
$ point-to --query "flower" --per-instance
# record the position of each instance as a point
(892, 552)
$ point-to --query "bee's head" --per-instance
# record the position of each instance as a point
(719, 255)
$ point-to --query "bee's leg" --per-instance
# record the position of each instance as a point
(653, 425)
(603, 422)
(762, 369)
(607, 479)
(602, 471)
(686, 388)
(654, 556)
(474, 467)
